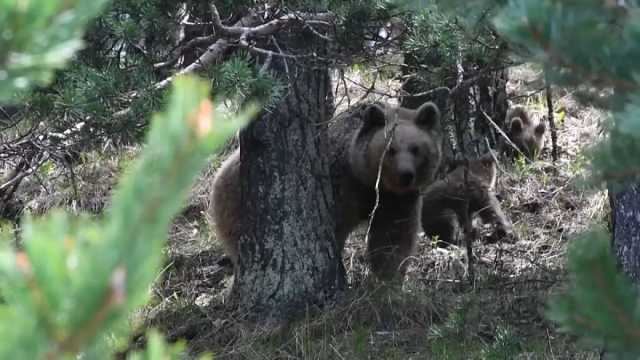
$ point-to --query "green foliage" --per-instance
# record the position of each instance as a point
(602, 304)
(240, 81)
(39, 36)
(506, 345)
(435, 41)
(438, 42)
(361, 20)
(90, 95)
(360, 336)
(158, 349)
(78, 279)
(110, 84)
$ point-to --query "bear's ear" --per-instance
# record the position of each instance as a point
(516, 126)
(428, 116)
(540, 129)
(374, 116)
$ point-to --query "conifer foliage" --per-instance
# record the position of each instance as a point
(75, 282)
(38, 37)
(78, 279)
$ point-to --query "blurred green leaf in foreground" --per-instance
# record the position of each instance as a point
(78, 279)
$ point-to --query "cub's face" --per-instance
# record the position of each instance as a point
(528, 136)
(485, 170)
(482, 171)
(408, 142)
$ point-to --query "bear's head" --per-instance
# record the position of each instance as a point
(485, 169)
(482, 171)
(404, 144)
(526, 133)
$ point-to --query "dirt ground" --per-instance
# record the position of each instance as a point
(438, 314)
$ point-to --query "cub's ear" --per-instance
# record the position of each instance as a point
(428, 116)
(540, 129)
(374, 116)
(516, 126)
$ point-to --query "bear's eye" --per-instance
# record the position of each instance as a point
(414, 149)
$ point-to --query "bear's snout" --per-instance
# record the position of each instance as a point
(407, 177)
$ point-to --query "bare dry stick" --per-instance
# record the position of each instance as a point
(20, 176)
(369, 90)
(286, 65)
(552, 125)
(468, 228)
(388, 134)
(213, 53)
(499, 130)
(467, 221)
(242, 30)
(346, 88)
(180, 50)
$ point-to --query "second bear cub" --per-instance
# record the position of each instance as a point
(525, 132)
(445, 201)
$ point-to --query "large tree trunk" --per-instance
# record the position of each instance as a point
(625, 229)
(288, 256)
(625, 212)
(625, 216)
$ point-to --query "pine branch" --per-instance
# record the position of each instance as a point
(235, 35)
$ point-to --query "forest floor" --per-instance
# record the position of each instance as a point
(438, 314)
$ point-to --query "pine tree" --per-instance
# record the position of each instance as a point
(591, 45)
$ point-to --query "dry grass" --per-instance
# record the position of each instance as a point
(88, 190)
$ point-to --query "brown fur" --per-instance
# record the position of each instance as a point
(225, 204)
(444, 202)
(357, 140)
(525, 132)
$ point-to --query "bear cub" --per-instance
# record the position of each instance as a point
(444, 202)
(525, 132)
(404, 144)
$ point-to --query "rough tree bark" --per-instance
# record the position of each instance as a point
(625, 215)
(625, 229)
(288, 257)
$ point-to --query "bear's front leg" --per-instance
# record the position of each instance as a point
(392, 241)
(445, 224)
(490, 211)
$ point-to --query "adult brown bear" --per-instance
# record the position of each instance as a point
(403, 145)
